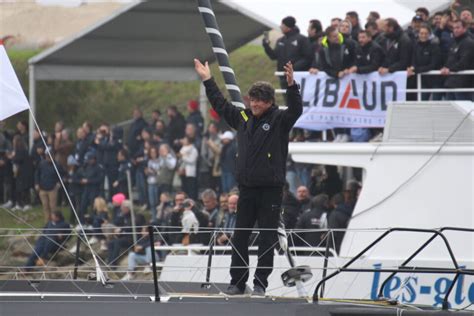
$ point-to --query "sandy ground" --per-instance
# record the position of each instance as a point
(39, 26)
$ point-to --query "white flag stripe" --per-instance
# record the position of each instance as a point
(226, 69)
(12, 97)
(211, 30)
(218, 50)
(205, 10)
(232, 87)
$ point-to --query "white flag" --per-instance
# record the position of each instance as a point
(12, 97)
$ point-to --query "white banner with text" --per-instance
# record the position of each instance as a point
(352, 101)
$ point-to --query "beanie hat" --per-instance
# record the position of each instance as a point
(193, 105)
(289, 21)
(118, 198)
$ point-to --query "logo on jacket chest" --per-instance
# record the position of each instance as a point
(266, 127)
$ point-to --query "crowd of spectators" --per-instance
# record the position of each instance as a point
(182, 171)
(443, 41)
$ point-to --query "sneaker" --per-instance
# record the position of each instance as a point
(147, 270)
(26, 208)
(234, 290)
(337, 139)
(73, 249)
(377, 138)
(258, 291)
(93, 240)
(9, 204)
(17, 207)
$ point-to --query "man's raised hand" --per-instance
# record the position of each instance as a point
(289, 73)
(203, 70)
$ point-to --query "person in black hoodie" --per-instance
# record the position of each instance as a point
(368, 55)
(176, 125)
(291, 47)
(313, 220)
(398, 48)
(22, 172)
(47, 185)
(195, 116)
(426, 57)
(337, 56)
(315, 34)
(120, 185)
(54, 235)
(135, 131)
(460, 57)
(90, 177)
(353, 17)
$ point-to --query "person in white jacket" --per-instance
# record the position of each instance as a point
(188, 167)
(189, 221)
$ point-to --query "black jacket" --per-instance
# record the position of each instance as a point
(175, 129)
(198, 121)
(311, 220)
(460, 57)
(45, 175)
(262, 142)
(292, 47)
(135, 130)
(398, 51)
(336, 57)
(426, 56)
(369, 57)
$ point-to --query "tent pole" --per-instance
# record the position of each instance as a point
(32, 99)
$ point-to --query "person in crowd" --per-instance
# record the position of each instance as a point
(315, 35)
(189, 222)
(22, 130)
(155, 117)
(54, 235)
(152, 171)
(208, 217)
(122, 238)
(337, 57)
(444, 33)
(460, 57)
(5, 170)
(353, 18)
(120, 185)
(174, 234)
(423, 13)
(331, 183)
(290, 207)
(426, 57)
(188, 155)
(372, 17)
(22, 172)
(335, 23)
(63, 147)
(108, 144)
(160, 130)
(304, 199)
(176, 125)
(338, 218)
(134, 133)
(99, 217)
(140, 255)
(313, 220)
(195, 116)
(90, 135)
(369, 58)
(209, 170)
(436, 20)
(37, 150)
(139, 163)
(345, 28)
(291, 47)
(466, 16)
(414, 28)
(191, 132)
(397, 46)
(227, 161)
(163, 210)
(223, 209)
(81, 146)
(228, 223)
(47, 185)
(117, 200)
(167, 164)
(90, 177)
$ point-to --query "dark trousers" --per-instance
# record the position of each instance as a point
(43, 248)
(115, 247)
(263, 206)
